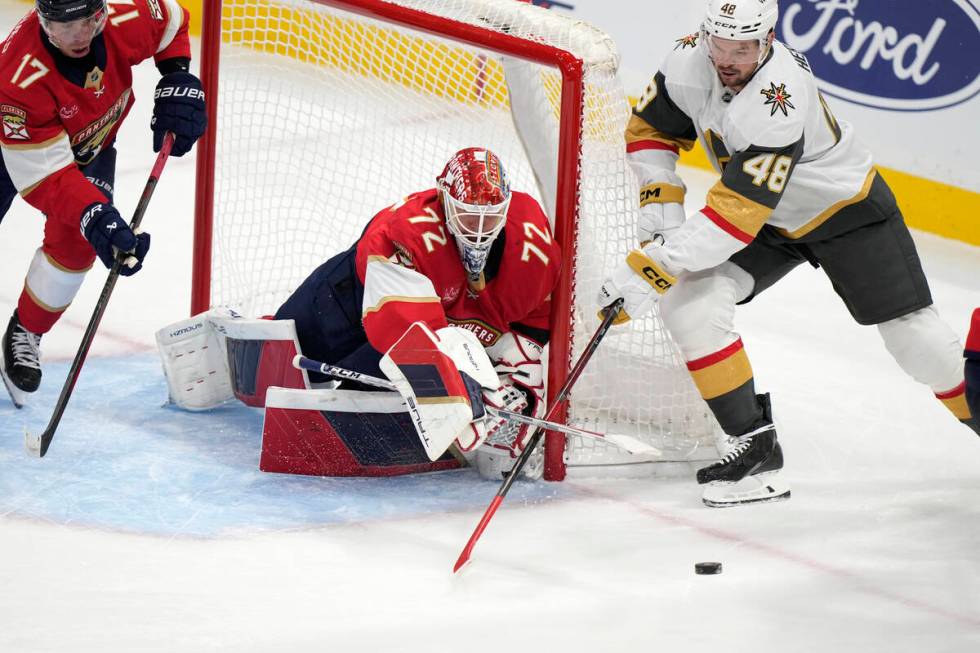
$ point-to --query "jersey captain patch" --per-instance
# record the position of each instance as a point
(777, 97)
(93, 80)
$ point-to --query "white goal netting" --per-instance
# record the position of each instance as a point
(326, 116)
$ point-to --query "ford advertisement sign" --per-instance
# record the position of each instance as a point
(905, 55)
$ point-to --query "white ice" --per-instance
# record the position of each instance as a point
(148, 529)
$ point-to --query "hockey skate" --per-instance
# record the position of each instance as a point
(20, 361)
(748, 472)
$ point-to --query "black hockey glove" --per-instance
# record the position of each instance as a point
(108, 233)
(179, 108)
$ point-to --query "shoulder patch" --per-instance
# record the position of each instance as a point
(402, 256)
(14, 122)
(778, 98)
(689, 41)
(155, 12)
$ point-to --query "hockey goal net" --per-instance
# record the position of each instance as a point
(328, 110)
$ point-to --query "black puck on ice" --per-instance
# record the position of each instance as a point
(706, 568)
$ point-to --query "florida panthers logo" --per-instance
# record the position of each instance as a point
(88, 142)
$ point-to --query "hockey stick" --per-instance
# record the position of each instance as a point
(610, 315)
(625, 442)
(38, 444)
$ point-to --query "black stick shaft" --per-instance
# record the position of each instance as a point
(93, 324)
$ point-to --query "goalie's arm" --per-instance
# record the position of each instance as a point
(395, 297)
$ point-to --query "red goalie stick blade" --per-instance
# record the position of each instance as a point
(611, 312)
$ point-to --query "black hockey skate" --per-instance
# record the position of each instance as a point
(746, 474)
(20, 361)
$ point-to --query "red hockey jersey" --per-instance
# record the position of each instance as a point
(52, 122)
(410, 268)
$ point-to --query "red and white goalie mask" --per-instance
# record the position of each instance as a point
(475, 195)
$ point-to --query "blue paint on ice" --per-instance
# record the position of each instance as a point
(122, 460)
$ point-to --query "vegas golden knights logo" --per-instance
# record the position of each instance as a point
(93, 80)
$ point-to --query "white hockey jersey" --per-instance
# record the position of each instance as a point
(784, 159)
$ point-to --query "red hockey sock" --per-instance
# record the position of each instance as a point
(35, 318)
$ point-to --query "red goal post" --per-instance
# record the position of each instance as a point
(456, 69)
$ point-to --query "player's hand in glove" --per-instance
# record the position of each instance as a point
(109, 234)
(178, 107)
(518, 366)
(640, 280)
(661, 205)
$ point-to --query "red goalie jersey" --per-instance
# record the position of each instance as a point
(57, 115)
(410, 270)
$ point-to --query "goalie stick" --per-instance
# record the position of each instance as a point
(38, 444)
(611, 312)
(625, 442)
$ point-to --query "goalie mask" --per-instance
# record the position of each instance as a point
(475, 195)
(749, 21)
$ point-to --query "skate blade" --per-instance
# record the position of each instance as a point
(18, 396)
(761, 488)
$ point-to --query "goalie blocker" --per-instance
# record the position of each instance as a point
(442, 377)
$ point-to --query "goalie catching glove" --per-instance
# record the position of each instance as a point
(521, 377)
(442, 377)
(640, 280)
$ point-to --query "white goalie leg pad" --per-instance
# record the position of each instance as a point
(758, 488)
(195, 363)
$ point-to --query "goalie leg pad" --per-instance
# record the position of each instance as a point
(194, 364)
(260, 355)
(342, 433)
(219, 355)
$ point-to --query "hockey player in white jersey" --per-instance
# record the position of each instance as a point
(795, 187)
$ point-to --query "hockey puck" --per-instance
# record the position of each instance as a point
(707, 568)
